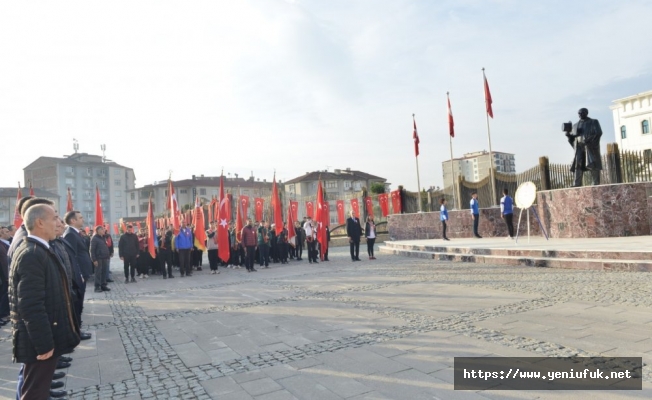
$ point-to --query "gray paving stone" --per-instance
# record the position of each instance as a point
(260, 386)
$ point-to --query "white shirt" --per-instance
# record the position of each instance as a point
(372, 231)
(308, 228)
(40, 240)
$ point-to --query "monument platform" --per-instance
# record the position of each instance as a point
(633, 253)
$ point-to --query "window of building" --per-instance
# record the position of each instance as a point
(2, 215)
(118, 194)
(144, 207)
(183, 191)
(70, 182)
(357, 185)
(331, 184)
(70, 170)
(133, 209)
(103, 183)
(90, 217)
(118, 182)
(645, 127)
(118, 204)
(202, 192)
(132, 196)
(347, 185)
(118, 214)
(291, 188)
(623, 132)
(89, 171)
(87, 194)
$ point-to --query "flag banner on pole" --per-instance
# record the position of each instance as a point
(415, 137)
(341, 219)
(294, 207)
(173, 206)
(115, 229)
(291, 232)
(229, 207)
(151, 230)
(276, 204)
(384, 204)
(322, 222)
(310, 208)
(327, 213)
(69, 206)
(370, 206)
(239, 222)
(260, 204)
(245, 206)
(200, 228)
(99, 217)
(396, 201)
(487, 98)
(18, 219)
(223, 215)
(451, 124)
(355, 207)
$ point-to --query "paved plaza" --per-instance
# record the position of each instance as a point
(382, 329)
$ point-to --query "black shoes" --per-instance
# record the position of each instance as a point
(133, 280)
(98, 290)
(171, 276)
(105, 289)
(65, 359)
(58, 375)
(109, 280)
(478, 237)
(85, 336)
(56, 385)
(446, 239)
(62, 365)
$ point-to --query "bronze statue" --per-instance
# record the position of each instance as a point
(584, 137)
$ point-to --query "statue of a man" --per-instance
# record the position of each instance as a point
(584, 137)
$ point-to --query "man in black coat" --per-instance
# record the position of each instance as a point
(75, 221)
(128, 250)
(353, 232)
(41, 306)
(101, 256)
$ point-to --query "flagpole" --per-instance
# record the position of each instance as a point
(450, 138)
(418, 180)
(491, 153)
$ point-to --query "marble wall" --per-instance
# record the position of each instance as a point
(460, 225)
(586, 212)
(597, 211)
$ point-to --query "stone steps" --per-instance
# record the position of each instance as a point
(620, 261)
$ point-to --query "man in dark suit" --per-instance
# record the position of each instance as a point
(75, 221)
(353, 232)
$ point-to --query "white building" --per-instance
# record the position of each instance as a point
(8, 202)
(82, 172)
(632, 121)
(474, 166)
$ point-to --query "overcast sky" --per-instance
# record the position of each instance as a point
(297, 86)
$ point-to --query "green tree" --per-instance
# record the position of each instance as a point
(377, 188)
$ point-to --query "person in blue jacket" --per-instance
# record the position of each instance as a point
(443, 216)
(507, 212)
(475, 213)
(183, 243)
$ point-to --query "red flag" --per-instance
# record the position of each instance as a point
(310, 208)
(294, 207)
(200, 228)
(487, 97)
(260, 203)
(123, 226)
(341, 219)
(223, 250)
(276, 204)
(396, 201)
(229, 207)
(151, 230)
(173, 206)
(291, 232)
(138, 226)
(327, 213)
(31, 189)
(115, 229)
(451, 124)
(69, 206)
(18, 219)
(321, 222)
(370, 206)
(356, 207)
(245, 206)
(239, 221)
(99, 217)
(415, 137)
(384, 204)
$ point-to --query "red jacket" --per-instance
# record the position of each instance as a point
(249, 236)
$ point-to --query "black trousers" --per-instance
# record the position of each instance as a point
(37, 377)
(212, 259)
(250, 257)
(509, 218)
(184, 262)
(476, 221)
(130, 266)
(263, 254)
(166, 259)
(142, 264)
(234, 256)
(443, 229)
(354, 246)
(78, 300)
(312, 251)
(370, 246)
(299, 250)
(283, 252)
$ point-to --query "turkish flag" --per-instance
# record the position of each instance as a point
(291, 232)
(239, 222)
(69, 206)
(415, 137)
(341, 218)
(294, 207)
(310, 208)
(451, 124)
(370, 206)
(244, 200)
(260, 204)
(327, 213)
(200, 228)
(322, 221)
(99, 217)
(223, 250)
(396, 201)
(487, 97)
(115, 229)
(151, 230)
(173, 206)
(18, 219)
(355, 207)
(384, 204)
(229, 207)
(276, 204)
